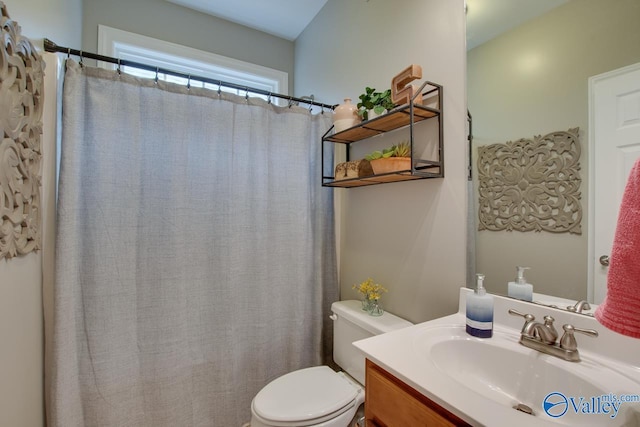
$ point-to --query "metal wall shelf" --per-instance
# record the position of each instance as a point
(400, 117)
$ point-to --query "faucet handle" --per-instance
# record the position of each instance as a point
(568, 341)
(527, 317)
(528, 321)
(589, 332)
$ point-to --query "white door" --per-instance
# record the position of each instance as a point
(614, 132)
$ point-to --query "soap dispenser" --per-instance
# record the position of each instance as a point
(520, 289)
(480, 311)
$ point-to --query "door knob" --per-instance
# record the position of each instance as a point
(604, 260)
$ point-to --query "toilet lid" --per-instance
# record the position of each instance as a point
(303, 395)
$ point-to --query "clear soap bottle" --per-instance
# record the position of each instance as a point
(520, 289)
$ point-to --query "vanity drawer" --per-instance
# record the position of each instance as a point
(390, 402)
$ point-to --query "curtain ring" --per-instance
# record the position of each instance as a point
(157, 71)
(81, 58)
(68, 52)
(246, 94)
(290, 102)
(119, 70)
(189, 82)
(269, 99)
(219, 87)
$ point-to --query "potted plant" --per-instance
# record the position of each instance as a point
(374, 103)
(392, 159)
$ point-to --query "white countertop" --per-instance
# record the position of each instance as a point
(400, 353)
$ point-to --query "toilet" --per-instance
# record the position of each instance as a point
(319, 396)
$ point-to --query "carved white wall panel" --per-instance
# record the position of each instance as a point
(21, 102)
(531, 184)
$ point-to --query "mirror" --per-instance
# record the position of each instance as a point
(532, 79)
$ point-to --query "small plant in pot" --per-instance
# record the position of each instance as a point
(392, 159)
(374, 101)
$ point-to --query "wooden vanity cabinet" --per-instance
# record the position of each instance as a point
(392, 403)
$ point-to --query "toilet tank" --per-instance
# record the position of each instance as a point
(351, 323)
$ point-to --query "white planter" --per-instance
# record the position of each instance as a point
(371, 114)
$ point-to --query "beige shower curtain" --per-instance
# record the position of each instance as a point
(195, 253)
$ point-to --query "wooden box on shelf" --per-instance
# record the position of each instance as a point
(353, 169)
(391, 164)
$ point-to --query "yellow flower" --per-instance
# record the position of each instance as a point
(369, 289)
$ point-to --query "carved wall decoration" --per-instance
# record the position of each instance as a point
(531, 184)
(21, 103)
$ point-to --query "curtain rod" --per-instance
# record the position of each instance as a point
(50, 46)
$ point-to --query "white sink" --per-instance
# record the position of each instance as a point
(481, 380)
(503, 371)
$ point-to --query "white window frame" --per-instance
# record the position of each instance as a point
(171, 56)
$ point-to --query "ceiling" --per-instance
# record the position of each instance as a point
(282, 18)
(288, 18)
(488, 18)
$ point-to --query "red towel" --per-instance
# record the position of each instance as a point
(620, 310)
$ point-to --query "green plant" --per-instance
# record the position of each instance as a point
(376, 101)
(401, 150)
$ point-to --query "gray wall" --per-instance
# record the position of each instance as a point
(409, 236)
(22, 279)
(58, 20)
(532, 81)
(166, 21)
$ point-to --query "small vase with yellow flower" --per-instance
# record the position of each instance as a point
(371, 293)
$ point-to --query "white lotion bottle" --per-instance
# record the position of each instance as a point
(480, 311)
(520, 289)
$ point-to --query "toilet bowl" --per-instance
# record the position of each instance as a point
(316, 396)
(320, 396)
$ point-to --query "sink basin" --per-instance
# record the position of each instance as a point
(503, 371)
(482, 380)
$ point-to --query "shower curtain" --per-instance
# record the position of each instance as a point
(195, 253)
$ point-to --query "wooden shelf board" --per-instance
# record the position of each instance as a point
(395, 119)
(375, 179)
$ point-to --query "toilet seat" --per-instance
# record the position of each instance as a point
(306, 397)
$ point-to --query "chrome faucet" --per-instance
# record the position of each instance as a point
(542, 337)
(579, 306)
(547, 332)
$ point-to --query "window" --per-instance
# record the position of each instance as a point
(134, 47)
